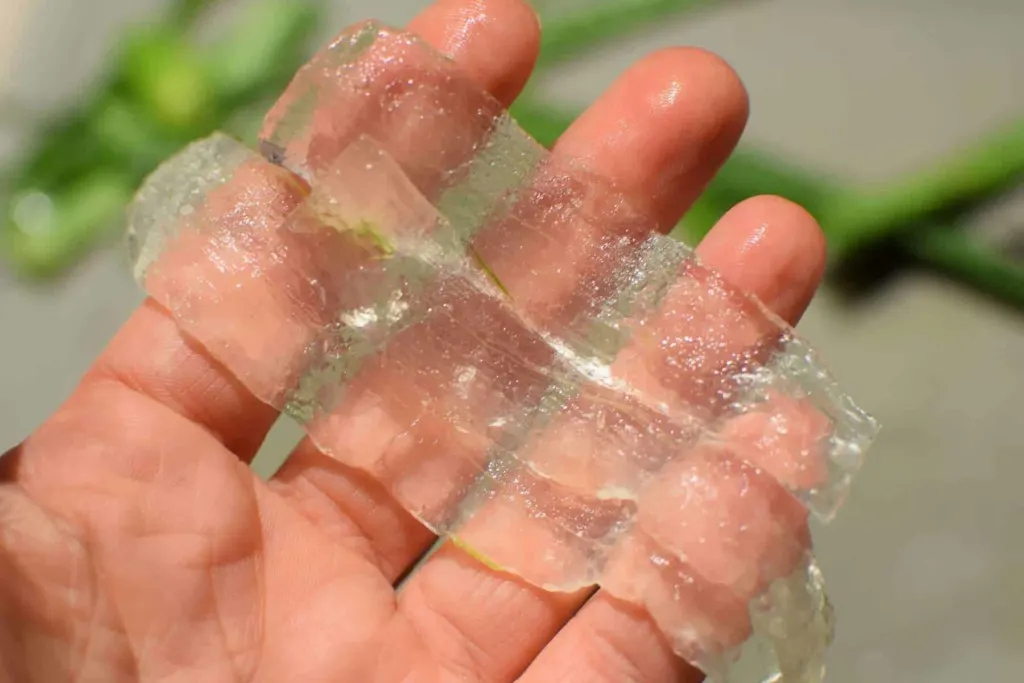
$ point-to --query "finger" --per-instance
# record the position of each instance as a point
(509, 621)
(663, 129)
(610, 640)
(772, 247)
(496, 44)
(373, 81)
(152, 356)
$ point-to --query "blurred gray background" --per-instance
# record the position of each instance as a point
(926, 564)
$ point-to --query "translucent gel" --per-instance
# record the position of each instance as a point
(503, 341)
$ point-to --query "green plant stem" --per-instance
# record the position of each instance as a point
(566, 37)
(986, 167)
(953, 252)
(258, 55)
(183, 14)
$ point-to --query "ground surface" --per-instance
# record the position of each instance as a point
(926, 563)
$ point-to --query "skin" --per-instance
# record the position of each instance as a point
(135, 544)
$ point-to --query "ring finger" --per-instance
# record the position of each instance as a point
(610, 641)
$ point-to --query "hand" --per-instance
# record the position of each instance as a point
(136, 545)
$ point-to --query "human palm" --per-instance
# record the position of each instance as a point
(136, 544)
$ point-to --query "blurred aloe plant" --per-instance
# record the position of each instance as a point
(163, 88)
